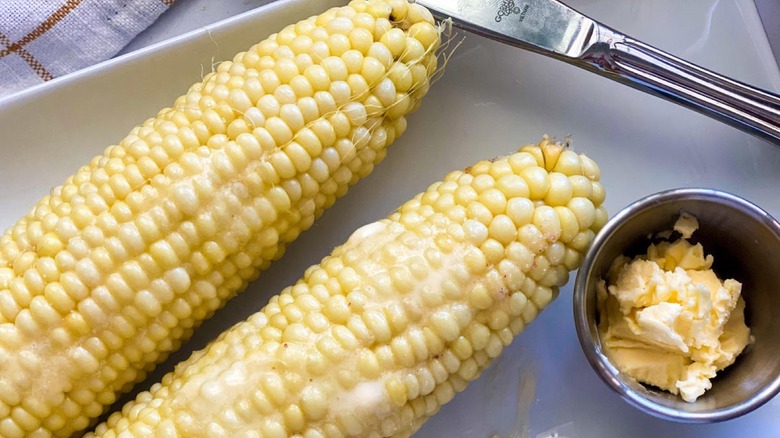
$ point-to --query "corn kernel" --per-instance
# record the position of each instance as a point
(538, 181)
(502, 228)
(548, 223)
(583, 210)
(445, 325)
(520, 210)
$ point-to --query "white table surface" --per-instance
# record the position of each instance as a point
(492, 98)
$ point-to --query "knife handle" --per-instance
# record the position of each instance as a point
(649, 69)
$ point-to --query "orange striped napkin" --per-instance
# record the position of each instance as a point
(41, 40)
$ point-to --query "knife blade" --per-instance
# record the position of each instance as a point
(544, 26)
(551, 28)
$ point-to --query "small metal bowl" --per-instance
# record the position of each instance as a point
(745, 241)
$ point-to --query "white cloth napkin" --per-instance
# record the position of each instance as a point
(43, 39)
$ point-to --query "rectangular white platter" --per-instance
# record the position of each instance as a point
(491, 100)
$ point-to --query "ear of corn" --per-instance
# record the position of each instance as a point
(374, 339)
(113, 270)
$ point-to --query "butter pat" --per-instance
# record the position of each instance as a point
(686, 224)
(667, 320)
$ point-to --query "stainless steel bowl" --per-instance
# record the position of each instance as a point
(745, 241)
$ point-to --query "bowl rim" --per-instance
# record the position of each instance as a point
(586, 332)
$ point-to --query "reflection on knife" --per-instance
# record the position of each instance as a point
(551, 28)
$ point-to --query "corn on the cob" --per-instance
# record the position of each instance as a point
(392, 324)
(113, 270)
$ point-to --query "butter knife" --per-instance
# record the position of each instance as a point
(551, 28)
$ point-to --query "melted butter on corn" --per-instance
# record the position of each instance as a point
(389, 327)
(115, 268)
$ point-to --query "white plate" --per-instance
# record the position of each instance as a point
(491, 100)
